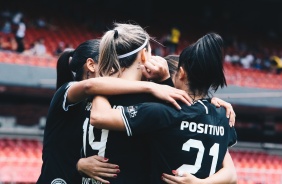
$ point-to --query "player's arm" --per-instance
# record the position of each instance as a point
(115, 86)
(97, 167)
(104, 116)
(229, 109)
(156, 69)
(135, 119)
(232, 137)
(226, 175)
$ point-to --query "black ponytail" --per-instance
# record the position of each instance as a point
(203, 63)
(64, 74)
(72, 70)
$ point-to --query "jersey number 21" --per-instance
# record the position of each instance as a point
(192, 143)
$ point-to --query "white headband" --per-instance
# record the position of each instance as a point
(134, 51)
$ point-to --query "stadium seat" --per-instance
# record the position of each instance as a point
(21, 156)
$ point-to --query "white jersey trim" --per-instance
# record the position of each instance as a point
(232, 144)
(66, 108)
(207, 112)
(125, 121)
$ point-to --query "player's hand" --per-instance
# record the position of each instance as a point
(185, 178)
(155, 69)
(229, 109)
(171, 94)
(97, 167)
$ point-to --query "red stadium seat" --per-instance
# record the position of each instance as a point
(20, 160)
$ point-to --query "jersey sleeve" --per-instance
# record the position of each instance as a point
(66, 104)
(168, 82)
(148, 117)
(232, 137)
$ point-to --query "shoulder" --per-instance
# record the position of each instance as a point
(221, 111)
(200, 107)
(68, 84)
(63, 89)
(158, 107)
(65, 86)
(152, 109)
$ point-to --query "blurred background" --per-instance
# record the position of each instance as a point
(253, 51)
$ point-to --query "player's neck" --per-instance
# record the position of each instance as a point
(195, 97)
(131, 74)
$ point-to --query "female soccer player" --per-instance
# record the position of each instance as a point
(193, 140)
(122, 50)
(76, 72)
(172, 61)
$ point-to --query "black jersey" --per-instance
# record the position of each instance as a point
(130, 153)
(194, 139)
(62, 140)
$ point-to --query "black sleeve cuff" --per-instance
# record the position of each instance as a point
(167, 82)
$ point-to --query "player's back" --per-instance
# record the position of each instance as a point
(196, 143)
(62, 140)
(130, 153)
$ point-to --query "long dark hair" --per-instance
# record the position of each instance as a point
(70, 63)
(203, 63)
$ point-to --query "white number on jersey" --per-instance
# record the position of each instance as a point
(192, 143)
(95, 145)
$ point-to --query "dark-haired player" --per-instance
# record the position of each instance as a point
(194, 139)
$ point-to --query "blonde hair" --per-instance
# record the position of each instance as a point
(172, 61)
(122, 39)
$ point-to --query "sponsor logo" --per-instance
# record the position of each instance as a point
(202, 128)
(58, 181)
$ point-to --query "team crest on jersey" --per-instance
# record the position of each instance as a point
(132, 111)
(58, 181)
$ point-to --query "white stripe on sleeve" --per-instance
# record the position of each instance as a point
(66, 108)
(125, 121)
(233, 144)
